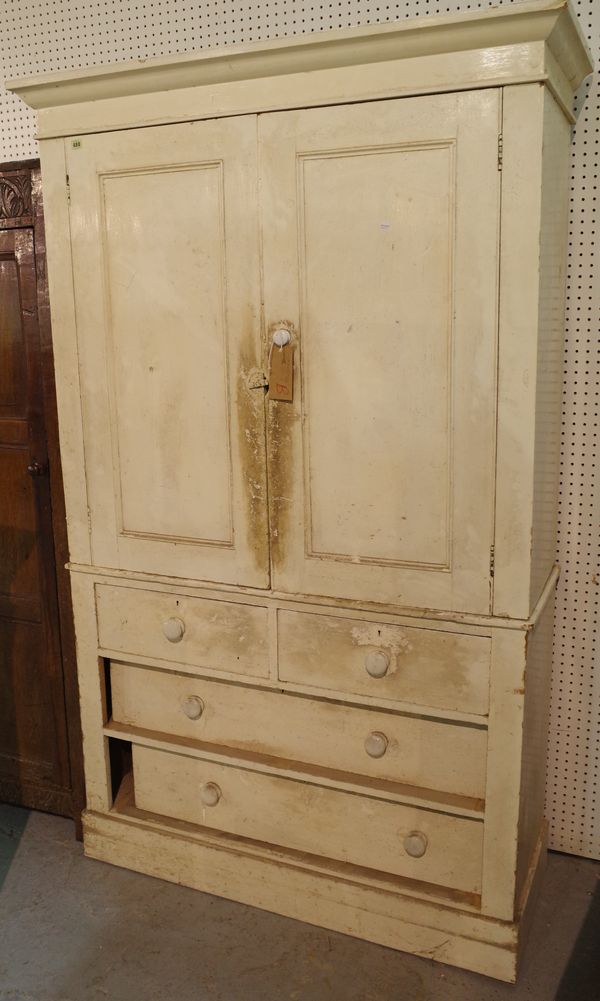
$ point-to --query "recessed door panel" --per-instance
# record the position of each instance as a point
(168, 352)
(378, 332)
(165, 247)
(380, 229)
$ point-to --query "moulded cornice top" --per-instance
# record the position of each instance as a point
(550, 21)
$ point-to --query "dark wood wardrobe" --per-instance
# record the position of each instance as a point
(40, 740)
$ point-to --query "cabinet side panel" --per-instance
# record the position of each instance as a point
(522, 129)
(91, 695)
(553, 241)
(538, 673)
(503, 778)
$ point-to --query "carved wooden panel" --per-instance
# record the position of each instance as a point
(12, 348)
(15, 195)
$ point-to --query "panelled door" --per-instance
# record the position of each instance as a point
(380, 236)
(34, 763)
(165, 237)
(379, 232)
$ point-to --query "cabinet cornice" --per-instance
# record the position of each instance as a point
(525, 42)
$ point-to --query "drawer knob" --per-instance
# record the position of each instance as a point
(210, 794)
(377, 663)
(415, 844)
(376, 744)
(193, 707)
(174, 629)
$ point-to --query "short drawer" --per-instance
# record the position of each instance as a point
(200, 632)
(427, 667)
(366, 742)
(419, 844)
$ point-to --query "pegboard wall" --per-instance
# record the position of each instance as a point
(38, 36)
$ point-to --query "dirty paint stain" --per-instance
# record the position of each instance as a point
(280, 425)
(252, 451)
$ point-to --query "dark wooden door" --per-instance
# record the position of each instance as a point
(34, 751)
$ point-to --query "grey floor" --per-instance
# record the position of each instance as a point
(72, 929)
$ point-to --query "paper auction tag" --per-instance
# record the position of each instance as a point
(281, 373)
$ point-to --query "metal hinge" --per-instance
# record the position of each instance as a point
(492, 560)
(500, 151)
(68, 189)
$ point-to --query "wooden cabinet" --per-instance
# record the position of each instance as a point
(40, 740)
(309, 387)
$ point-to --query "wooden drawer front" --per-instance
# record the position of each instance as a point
(310, 818)
(427, 667)
(419, 752)
(219, 635)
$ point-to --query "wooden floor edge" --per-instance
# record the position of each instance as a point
(455, 938)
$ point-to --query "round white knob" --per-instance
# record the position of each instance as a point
(415, 844)
(376, 744)
(377, 663)
(210, 794)
(193, 707)
(174, 630)
(281, 338)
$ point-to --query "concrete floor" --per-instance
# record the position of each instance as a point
(72, 929)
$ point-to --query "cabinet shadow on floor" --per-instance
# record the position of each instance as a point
(13, 820)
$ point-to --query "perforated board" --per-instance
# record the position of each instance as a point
(46, 35)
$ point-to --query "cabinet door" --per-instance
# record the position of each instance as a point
(167, 285)
(34, 750)
(380, 229)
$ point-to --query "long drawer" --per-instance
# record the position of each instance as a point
(420, 752)
(388, 837)
(218, 635)
(427, 667)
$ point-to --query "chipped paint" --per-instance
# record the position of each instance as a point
(252, 450)
(279, 429)
(391, 638)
